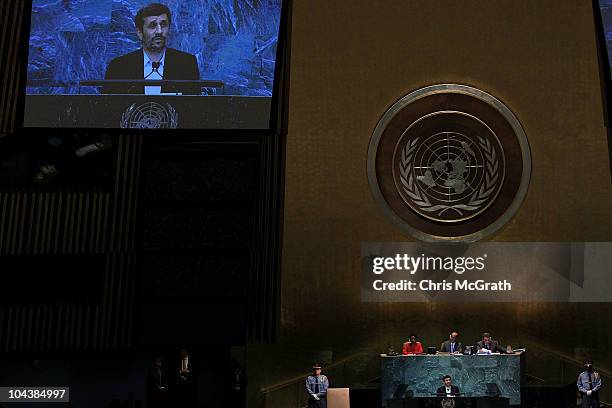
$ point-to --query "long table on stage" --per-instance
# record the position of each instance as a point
(419, 376)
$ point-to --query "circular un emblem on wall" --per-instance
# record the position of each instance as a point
(449, 163)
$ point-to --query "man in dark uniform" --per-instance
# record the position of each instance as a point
(157, 385)
(238, 381)
(185, 388)
(316, 387)
(589, 383)
(154, 61)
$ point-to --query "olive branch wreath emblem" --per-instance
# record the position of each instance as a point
(447, 403)
(129, 113)
(476, 200)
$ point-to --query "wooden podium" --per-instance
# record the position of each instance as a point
(338, 398)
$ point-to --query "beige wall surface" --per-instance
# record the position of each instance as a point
(350, 61)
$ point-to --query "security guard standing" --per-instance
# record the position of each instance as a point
(589, 383)
(316, 387)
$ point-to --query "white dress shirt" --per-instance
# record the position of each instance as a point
(185, 363)
(148, 73)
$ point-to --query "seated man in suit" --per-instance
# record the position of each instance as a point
(448, 389)
(452, 345)
(154, 61)
(488, 345)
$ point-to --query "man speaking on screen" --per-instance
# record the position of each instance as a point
(154, 61)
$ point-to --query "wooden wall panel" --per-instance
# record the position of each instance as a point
(552, 85)
(68, 223)
(54, 223)
(76, 326)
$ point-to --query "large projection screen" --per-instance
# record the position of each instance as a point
(130, 64)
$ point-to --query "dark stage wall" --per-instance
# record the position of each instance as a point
(350, 62)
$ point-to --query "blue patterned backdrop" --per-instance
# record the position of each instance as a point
(606, 14)
(233, 40)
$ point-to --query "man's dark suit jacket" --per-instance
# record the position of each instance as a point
(178, 65)
(493, 346)
(155, 396)
(445, 347)
(442, 391)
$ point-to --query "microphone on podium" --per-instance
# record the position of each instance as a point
(154, 68)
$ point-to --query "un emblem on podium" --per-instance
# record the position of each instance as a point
(447, 403)
(449, 163)
(149, 115)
